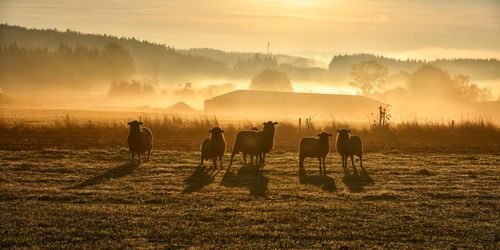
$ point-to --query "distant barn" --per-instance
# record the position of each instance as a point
(291, 104)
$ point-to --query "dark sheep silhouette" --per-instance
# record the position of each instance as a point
(213, 147)
(245, 153)
(349, 145)
(258, 143)
(315, 148)
(140, 140)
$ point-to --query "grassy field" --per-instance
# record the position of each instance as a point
(90, 198)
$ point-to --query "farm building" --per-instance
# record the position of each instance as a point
(255, 103)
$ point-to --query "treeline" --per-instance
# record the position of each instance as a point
(231, 58)
(160, 62)
(477, 69)
(166, 65)
(65, 68)
(152, 60)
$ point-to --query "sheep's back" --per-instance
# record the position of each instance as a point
(218, 146)
(247, 142)
(342, 146)
(147, 139)
(309, 147)
(355, 145)
(206, 152)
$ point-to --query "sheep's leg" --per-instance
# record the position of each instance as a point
(361, 162)
(262, 163)
(149, 154)
(201, 160)
(244, 158)
(251, 159)
(214, 161)
(220, 160)
(132, 157)
(139, 158)
(344, 164)
(231, 161)
(353, 166)
(301, 161)
(320, 169)
(324, 166)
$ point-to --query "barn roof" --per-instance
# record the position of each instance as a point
(258, 102)
(259, 95)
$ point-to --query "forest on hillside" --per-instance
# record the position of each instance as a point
(37, 58)
(477, 69)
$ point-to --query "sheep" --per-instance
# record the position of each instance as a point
(251, 155)
(140, 140)
(213, 147)
(267, 138)
(258, 143)
(315, 148)
(349, 145)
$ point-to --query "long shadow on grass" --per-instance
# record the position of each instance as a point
(201, 177)
(357, 181)
(325, 182)
(247, 176)
(113, 173)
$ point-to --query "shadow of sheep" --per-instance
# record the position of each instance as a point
(114, 173)
(247, 176)
(200, 178)
(357, 181)
(325, 182)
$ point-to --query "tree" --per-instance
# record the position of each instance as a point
(271, 80)
(470, 91)
(430, 81)
(368, 76)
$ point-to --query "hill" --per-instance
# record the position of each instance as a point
(169, 66)
(181, 107)
(160, 62)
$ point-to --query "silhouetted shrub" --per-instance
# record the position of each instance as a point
(271, 80)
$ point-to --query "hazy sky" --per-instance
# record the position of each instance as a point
(418, 28)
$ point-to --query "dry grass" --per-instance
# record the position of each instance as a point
(90, 129)
(94, 198)
(66, 182)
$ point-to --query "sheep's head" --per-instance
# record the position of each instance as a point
(216, 131)
(135, 126)
(324, 136)
(343, 133)
(269, 126)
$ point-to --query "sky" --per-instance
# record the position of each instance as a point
(421, 29)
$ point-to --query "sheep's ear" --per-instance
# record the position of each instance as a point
(275, 123)
(338, 130)
(264, 123)
(129, 123)
(211, 130)
(222, 131)
(329, 134)
(318, 134)
(349, 131)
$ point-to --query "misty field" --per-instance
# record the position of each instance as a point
(95, 198)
